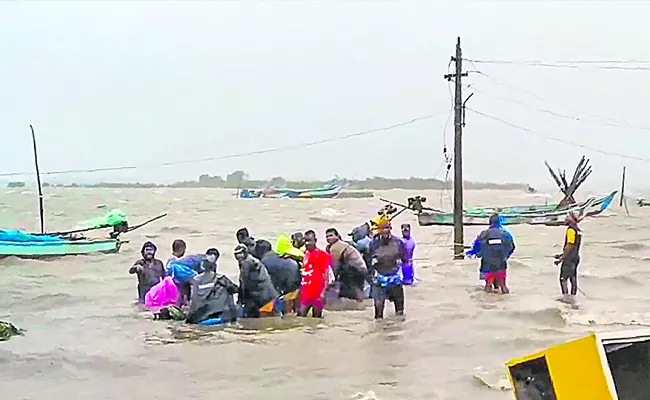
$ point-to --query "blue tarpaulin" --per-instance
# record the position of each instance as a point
(20, 236)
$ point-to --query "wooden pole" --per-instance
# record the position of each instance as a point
(622, 188)
(38, 181)
(458, 153)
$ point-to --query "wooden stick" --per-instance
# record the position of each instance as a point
(406, 207)
(622, 188)
(132, 228)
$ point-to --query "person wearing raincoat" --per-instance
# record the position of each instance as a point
(494, 246)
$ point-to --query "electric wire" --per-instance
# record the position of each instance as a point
(235, 155)
(552, 138)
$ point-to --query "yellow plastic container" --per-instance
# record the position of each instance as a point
(599, 366)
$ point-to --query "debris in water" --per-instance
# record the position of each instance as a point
(491, 380)
(7, 330)
(369, 395)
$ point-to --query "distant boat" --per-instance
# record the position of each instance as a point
(327, 191)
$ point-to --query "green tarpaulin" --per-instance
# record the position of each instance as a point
(111, 218)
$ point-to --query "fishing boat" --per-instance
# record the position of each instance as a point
(604, 201)
(72, 242)
(434, 218)
(60, 247)
(320, 193)
(327, 191)
(603, 366)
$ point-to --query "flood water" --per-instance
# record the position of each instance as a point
(85, 339)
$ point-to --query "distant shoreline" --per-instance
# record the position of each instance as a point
(239, 180)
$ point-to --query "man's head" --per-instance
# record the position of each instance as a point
(310, 240)
(385, 230)
(406, 230)
(495, 221)
(360, 232)
(212, 255)
(242, 234)
(262, 247)
(332, 235)
(148, 251)
(571, 219)
(298, 240)
(241, 252)
(179, 247)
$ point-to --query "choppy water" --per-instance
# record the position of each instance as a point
(85, 339)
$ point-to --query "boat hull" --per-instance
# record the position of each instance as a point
(589, 208)
(550, 218)
(533, 209)
(320, 193)
(58, 249)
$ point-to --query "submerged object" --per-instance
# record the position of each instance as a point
(212, 321)
(7, 330)
(599, 366)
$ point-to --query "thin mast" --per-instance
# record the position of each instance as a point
(38, 181)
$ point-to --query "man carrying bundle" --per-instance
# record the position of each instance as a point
(348, 266)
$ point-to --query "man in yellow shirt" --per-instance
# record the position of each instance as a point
(570, 257)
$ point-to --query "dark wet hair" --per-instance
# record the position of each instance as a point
(310, 232)
(242, 233)
(334, 231)
(406, 225)
(240, 248)
(262, 247)
(494, 219)
(148, 245)
(214, 251)
(179, 244)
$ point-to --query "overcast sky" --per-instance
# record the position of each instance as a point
(120, 83)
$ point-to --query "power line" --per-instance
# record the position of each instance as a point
(568, 107)
(545, 136)
(236, 155)
(559, 61)
(571, 64)
(554, 113)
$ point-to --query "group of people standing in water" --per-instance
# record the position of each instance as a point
(294, 276)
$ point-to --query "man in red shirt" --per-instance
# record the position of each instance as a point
(314, 278)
